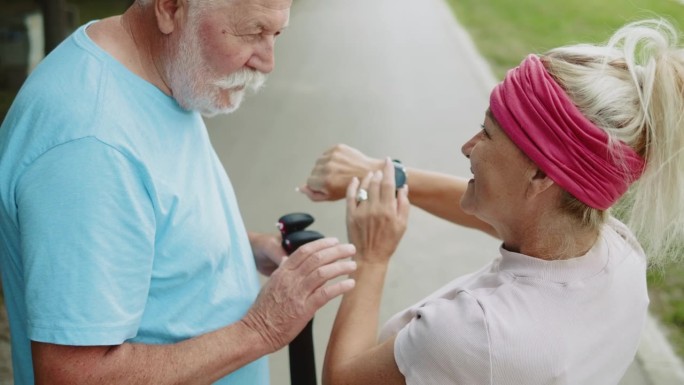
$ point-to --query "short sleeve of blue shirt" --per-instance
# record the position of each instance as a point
(87, 240)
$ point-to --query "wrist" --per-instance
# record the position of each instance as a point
(373, 165)
(375, 264)
(253, 237)
(400, 174)
(400, 171)
(255, 329)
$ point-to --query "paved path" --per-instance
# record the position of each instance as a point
(391, 77)
(386, 76)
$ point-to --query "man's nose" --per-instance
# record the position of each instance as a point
(263, 59)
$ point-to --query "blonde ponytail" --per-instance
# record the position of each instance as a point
(633, 87)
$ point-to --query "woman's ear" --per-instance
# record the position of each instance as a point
(169, 13)
(539, 182)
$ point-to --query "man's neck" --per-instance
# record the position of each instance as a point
(134, 42)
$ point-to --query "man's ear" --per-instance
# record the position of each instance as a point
(169, 13)
(539, 182)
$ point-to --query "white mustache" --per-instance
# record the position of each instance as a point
(247, 78)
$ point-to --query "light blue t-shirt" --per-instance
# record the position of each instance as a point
(118, 222)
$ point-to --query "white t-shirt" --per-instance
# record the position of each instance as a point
(523, 320)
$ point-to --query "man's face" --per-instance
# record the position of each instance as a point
(224, 50)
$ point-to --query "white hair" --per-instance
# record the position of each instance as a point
(202, 3)
(194, 85)
(633, 88)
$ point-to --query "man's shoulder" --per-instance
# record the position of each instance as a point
(66, 80)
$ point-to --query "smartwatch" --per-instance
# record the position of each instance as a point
(400, 177)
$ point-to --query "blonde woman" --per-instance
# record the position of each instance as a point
(567, 135)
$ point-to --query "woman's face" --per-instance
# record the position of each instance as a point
(500, 172)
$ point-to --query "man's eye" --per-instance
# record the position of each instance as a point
(251, 36)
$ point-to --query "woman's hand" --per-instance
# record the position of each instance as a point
(375, 225)
(334, 170)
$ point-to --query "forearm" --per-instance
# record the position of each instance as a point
(440, 195)
(355, 329)
(287, 301)
(267, 250)
(437, 193)
(200, 360)
(375, 227)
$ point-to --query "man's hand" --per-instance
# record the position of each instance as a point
(268, 252)
(298, 288)
(334, 170)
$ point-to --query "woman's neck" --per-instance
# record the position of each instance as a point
(551, 238)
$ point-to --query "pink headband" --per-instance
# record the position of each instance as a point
(543, 122)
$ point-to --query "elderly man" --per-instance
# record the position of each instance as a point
(125, 259)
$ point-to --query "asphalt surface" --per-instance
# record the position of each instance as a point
(395, 78)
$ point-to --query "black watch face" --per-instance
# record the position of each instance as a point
(399, 175)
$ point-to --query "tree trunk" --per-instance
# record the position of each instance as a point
(54, 19)
(5, 355)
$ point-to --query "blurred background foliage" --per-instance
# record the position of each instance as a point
(59, 19)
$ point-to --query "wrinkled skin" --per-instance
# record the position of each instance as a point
(297, 289)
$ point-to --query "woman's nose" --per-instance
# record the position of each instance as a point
(467, 147)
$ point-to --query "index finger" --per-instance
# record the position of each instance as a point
(351, 195)
(301, 254)
(313, 195)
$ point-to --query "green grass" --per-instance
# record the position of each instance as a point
(505, 31)
(666, 290)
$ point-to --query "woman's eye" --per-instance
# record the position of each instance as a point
(484, 131)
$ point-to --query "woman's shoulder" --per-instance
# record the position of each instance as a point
(622, 235)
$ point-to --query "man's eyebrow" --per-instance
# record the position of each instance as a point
(263, 27)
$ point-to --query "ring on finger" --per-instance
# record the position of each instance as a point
(361, 195)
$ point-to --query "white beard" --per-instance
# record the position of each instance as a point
(191, 84)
